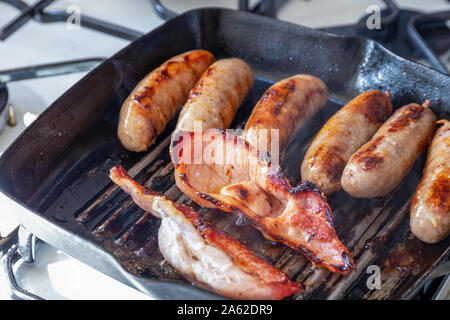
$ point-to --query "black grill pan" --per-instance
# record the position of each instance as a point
(58, 168)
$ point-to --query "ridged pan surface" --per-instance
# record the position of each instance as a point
(59, 166)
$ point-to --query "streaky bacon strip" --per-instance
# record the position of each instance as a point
(233, 176)
(205, 255)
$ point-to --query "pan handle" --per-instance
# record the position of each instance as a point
(18, 244)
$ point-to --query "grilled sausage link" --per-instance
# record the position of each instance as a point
(156, 98)
(430, 207)
(346, 131)
(218, 94)
(285, 107)
(382, 163)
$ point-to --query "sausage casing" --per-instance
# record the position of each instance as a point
(430, 207)
(156, 98)
(346, 131)
(219, 92)
(284, 107)
(382, 163)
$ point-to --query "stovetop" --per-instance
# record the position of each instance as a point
(54, 275)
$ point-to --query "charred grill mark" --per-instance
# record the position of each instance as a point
(183, 177)
(332, 163)
(413, 112)
(214, 201)
(277, 96)
(377, 106)
(370, 162)
(440, 193)
(372, 146)
(242, 192)
(164, 74)
(153, 130)
(368, 150)
(148, 91)
(306, 186)
(335, 168)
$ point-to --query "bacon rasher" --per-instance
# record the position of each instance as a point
(220, 170)
(205, 255)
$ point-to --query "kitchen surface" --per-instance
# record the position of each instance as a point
(55, 275)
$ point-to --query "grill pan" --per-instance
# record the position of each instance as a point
(58, 168)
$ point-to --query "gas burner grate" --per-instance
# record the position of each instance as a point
(39, 13)
(408, 33)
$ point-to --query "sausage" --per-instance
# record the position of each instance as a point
(381, 164)
(430, 207)
(285, 107)
(346, 131)
(218, 94)
(156, 98)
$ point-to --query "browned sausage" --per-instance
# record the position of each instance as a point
(156, 98)
(346, 131)
(382, 163)
(285, 107)
(430, 207)
(219, 92)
